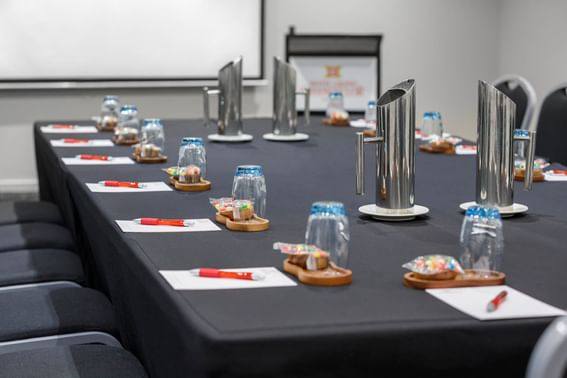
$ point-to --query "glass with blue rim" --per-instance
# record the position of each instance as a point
(192, 162)
(250, 184)
(432, 126)
(482, 240)
(328, 229)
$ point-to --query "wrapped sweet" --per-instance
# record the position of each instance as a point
(242, 210)
(434, 266)
(190, 174)
(222, 205)
(305, 255)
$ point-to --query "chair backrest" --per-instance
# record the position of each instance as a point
(551, 137)
(549, 356)
(523, 94)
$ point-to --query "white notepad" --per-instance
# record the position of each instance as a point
(50, 129)
(90, 143)
(114, 161)
(465, 150)
(156, 186)
(198, 225)
(551, 177)
(473, 301)
(182, 280)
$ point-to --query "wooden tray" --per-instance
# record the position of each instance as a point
(331, 276)
(441, 148)
(253, 225)
(154, 160)
(369, 133)
(202, 186)
(519, 175)
(470, 278)
(342, 123)
(132, 142)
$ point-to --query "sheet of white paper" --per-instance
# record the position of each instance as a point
(156, 186)
(182, 280)
(359, 123)
(552, 177)
(473, 301)
(461, 150)
(114, 161)
(49, 129)
(91, 143)
(202, 224)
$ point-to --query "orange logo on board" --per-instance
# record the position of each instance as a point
(333, 72)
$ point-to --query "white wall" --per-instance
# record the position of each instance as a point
(446, 45)
(533, 42)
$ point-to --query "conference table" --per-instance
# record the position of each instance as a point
(374, 327)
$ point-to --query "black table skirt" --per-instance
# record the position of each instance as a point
(373, 327)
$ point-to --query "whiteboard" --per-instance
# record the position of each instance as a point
(106, 40)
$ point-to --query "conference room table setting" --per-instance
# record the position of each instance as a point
(374, 326)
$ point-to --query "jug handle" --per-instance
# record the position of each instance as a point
(307, 112)
(529, 136)
(359, 171)
(206, 109)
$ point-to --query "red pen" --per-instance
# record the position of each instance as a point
(76, 141)
(497, 301)
(61, 126)
(217, 273)
(558, 172)
(94, 157)
(163, 222)
(121, 184)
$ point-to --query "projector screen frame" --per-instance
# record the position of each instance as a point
(162, 82)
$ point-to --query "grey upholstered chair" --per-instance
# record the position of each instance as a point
(549, 357)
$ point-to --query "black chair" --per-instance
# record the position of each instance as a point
(552, 126)
(523, 94)
(29, 211)
(40, 266)
(34, 235)
(78, 361)
(54, 315)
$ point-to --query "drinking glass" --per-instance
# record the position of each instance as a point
(249, 184)
(153, 138)
(192, 163)
(128, 124)
(336, 103)
(482, 239)
(109, 112)
(370, 114)
(327, 228)
(432, 125)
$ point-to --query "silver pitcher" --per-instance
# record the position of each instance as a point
(230, 99)
(395, 136)
(284, 119)
(495, 153)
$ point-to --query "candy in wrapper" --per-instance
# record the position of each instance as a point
(242, 210)
(430, 265)
(172, 171)
(222, 205)
(308, 256)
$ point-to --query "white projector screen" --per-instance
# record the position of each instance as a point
(127, 40)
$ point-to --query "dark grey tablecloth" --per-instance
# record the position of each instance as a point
(374, 327)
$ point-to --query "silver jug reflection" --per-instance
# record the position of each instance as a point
(496, 135)
(395, 137)
(284, 120)
(230, 99)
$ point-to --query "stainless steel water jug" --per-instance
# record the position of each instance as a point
(230, 99)
(284, 119)
(395, 138)
(496, 135)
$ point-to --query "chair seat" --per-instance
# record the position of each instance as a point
(39, 265)
(78, 361)
(29, 211)
(34, 235)
(43, 311)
